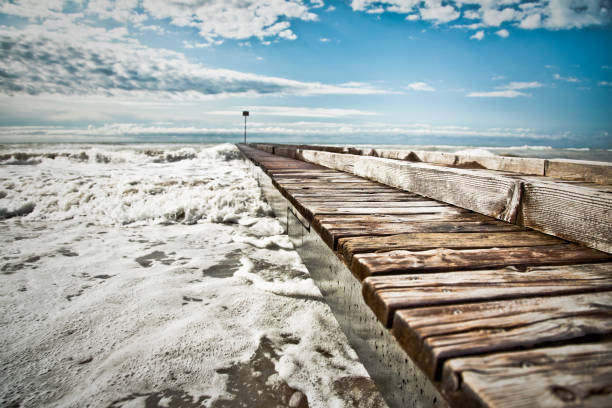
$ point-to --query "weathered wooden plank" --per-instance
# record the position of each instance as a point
(381, 197)
(568, 211)
(368, 230)
(443, 259)
(314, 210)
(465, 240)
(381, 219)
(354, 185)
(366, 203)
(332, 229)
(574, 375)
(432, 335)
(482, 192)
(387, 294)
(322, 180)
(512, 164)
(580, 170)
(337, 161)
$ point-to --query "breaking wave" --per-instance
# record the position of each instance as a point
(127, 184)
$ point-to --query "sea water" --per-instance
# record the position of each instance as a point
(156, 275)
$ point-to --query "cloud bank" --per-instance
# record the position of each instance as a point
(215, 20)
(548, 14)
(82, 60)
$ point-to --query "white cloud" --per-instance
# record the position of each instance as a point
(606, 67)
(566, 79)
(81, 60)
(497, 94)
(214, 19)
(421, 86)
(531, 21)
(604, 83)
(548, 14)
(324, 40)
(291, 111)
(509, 90)
(330, 9)
(317, 3)
(503, 33)
(143, 131)
(478, 35)
(522, 85)
(494, 17)
(377, 10)
(439, 14)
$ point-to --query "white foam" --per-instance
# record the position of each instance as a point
(475, 152)
(204, 185)
(113, 294)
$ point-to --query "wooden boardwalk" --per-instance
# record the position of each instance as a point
(495, 314)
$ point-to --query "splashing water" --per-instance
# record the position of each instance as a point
(156, 275)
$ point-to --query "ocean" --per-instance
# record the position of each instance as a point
(156, 275)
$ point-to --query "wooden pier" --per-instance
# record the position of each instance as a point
(492, 312)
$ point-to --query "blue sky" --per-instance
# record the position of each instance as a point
(474, 72)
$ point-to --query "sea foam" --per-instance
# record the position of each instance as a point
(150, 274)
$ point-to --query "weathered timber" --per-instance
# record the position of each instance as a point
(565, 376)
(566, 169)
(387, 294)
(432, 335)
(482, 192)
(596, 172)
(380, 197)
(337, 161)
(465, 240)
(331, 233)
(568, 211)
(512, 164)
(444, 259)
(310, 211)
(505, 288)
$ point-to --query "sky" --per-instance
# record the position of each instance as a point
(469, 72)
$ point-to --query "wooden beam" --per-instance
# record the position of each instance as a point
(580, 170)
(464, 240)
(387, 294)
(577, 213)
(432, 335)
(443, 259)
(564, 376)
(572, 212)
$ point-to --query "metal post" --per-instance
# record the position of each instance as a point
(245, 114)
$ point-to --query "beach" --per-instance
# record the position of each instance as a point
(156, 275)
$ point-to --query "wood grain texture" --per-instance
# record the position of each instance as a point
(580, 170)
(387, 294)
(432, 335)
(512, 164)
(464, 240)
(575, 213)
(482, 192)
(337, 161)
(565, 376)
(443, 259)
(472, 318)
(334, 232)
